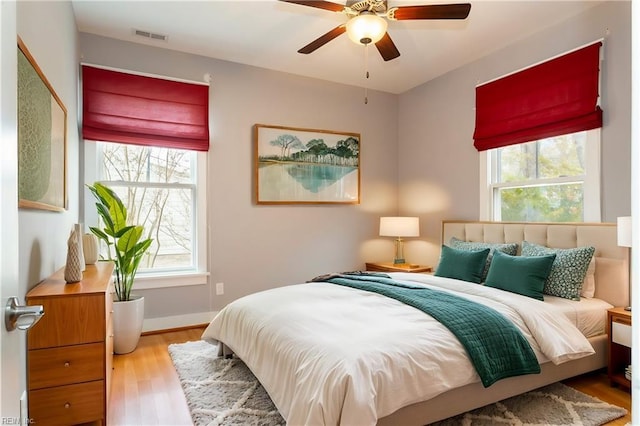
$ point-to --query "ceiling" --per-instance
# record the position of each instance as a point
(268, 33)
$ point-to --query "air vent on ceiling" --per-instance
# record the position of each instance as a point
(148, 34)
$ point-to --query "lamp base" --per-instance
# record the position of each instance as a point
(399, 258)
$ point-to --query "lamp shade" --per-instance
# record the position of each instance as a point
(399, 227)
(624, 231)
(366, 28)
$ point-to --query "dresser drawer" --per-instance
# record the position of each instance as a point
(621, 333)
(65, 365)
(69, 320)
(67, 405)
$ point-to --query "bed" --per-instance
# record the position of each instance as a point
(329, 354)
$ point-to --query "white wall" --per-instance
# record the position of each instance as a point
(438, 165)
(252, 248)
(48, 30)
(43, 234)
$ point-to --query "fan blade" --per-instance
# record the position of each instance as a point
(387, 48)
(324, 39)
(319, 4)
(434, 11)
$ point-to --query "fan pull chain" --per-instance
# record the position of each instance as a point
(366, 73)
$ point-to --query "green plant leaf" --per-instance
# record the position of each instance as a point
(101, 235)
(123, 231)
(117, 210)
(103, 211)
(96, 194)
(128, 240)
(125, 239)
(140, 248)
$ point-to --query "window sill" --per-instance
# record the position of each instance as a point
(184, 279)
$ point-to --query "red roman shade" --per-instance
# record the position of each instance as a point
(553, 98)
(139, 110)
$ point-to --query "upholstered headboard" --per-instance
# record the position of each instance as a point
(612, 261)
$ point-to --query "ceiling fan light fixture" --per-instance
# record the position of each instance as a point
(366, 28)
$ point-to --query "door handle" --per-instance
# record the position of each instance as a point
(22, 317)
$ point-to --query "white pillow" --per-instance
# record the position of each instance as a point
(589, 283)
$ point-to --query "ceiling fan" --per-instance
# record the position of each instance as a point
(367, 23)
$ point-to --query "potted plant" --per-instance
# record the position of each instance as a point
(125, 247)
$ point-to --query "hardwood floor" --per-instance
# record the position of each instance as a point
(146, 390)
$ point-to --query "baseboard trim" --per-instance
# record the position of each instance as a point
(151, 325)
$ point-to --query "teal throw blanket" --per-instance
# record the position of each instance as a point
(496, 347)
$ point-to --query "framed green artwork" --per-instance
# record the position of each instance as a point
(306, 166)
(42, 139)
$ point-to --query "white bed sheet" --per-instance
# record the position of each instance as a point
(588, 315)
(329, 354)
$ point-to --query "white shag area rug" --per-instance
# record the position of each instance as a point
(224, 392)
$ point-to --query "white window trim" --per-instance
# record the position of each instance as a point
(156, 279)
(484, 190)
(167, 280)
(592, 206)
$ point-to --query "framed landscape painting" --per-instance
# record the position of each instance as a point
(306, 166)
(42, 139)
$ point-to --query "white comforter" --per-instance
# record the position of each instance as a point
(329, 354)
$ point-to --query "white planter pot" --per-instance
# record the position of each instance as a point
(127, 324)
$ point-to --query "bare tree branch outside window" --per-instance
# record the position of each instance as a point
(157, 185)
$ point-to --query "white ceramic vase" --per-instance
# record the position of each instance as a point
(90, 248)
(127, 324)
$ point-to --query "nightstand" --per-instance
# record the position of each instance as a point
(400, 267)
(619, 331)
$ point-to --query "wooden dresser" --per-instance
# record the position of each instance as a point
(70, 350)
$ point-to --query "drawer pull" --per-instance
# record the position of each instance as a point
(67, 405)
(67, 364)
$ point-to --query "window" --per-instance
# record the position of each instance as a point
(163, 190)
(538, 134)
(156, 138)
(554, 179)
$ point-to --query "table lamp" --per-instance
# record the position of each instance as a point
(399, 227)
(624, 240)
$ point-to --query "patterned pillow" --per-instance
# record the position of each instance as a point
(568, 270)
(508, 248)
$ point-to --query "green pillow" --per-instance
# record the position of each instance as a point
(462, 265)
(520, 274)
(509, 248)
(568, 271)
